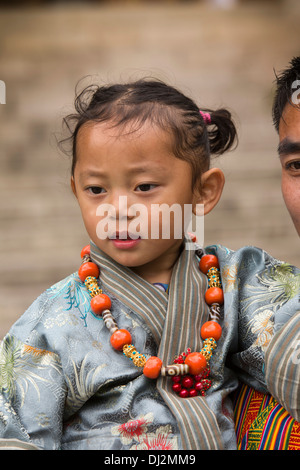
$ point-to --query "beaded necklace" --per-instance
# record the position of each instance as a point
(190, 370)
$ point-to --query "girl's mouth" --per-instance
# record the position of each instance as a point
(123, 240)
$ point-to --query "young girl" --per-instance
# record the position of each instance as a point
(142, 347)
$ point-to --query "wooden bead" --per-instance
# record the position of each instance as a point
(196, 362)
(214, 295)
(175, 370)
(215, 312)
(207, 262)
(109, 321)
(99, 303)
(211, 329)
(152, 367)
(119, 338)
(88, 269)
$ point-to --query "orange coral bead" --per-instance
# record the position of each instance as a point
(88, 269)
(196, 362)
(207, 262)
(152, 367)
(214, 295)
(85, 251)
(211, 329)
(119, 338)
(99, 303)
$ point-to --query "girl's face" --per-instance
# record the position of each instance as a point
(117, 171)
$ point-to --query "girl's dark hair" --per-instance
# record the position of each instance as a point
(162, 105)
(284, 89)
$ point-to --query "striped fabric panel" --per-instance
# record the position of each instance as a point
(247, 406)
(186, 312)
(263, 424)
(283, 366)
(277, 430)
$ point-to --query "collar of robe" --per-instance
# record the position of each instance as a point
(175, 321)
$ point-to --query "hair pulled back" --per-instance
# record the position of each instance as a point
(154, 101)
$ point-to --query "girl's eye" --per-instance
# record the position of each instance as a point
(145, 187)
(293, 166)
(95, 190)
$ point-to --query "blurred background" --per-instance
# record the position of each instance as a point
(221, 53)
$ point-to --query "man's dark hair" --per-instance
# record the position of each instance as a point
(285, 89)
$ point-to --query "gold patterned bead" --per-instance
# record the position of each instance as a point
(207, 353)
(210, 342)
(214, 278)
(213, 282)
(92, 286)
(138, 359)
(209, 345)
(127, 349)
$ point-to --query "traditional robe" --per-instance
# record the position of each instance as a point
(64, 387)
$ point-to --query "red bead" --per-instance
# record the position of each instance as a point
(99, 303)
(211, 329)
(176, 387)
(206, 384)
(176, 378)
(85, 251)
(207, 262)
(193, 392)
(198, 386)
(187, 382)
(196, 362)
(119, 338)
(88, 269)
(214, 295)
(205, 373)
(152, 367)
(184, 393)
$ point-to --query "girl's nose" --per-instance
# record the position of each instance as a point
(121, 203)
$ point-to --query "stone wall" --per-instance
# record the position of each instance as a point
(220, 57)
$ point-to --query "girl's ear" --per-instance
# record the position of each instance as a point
(210, 189)
(73, 186)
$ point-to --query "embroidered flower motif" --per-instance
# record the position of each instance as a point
(16, 372)
(262, 327)
(278, 285)
(134, 429)
(229, 277)
(158, 441)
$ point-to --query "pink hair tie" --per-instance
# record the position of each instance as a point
(206, 117)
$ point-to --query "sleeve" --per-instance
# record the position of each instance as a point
(261, 301)
(282, 366)
(32, 396)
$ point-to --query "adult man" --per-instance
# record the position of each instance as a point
(272, 421)
(286, 117)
